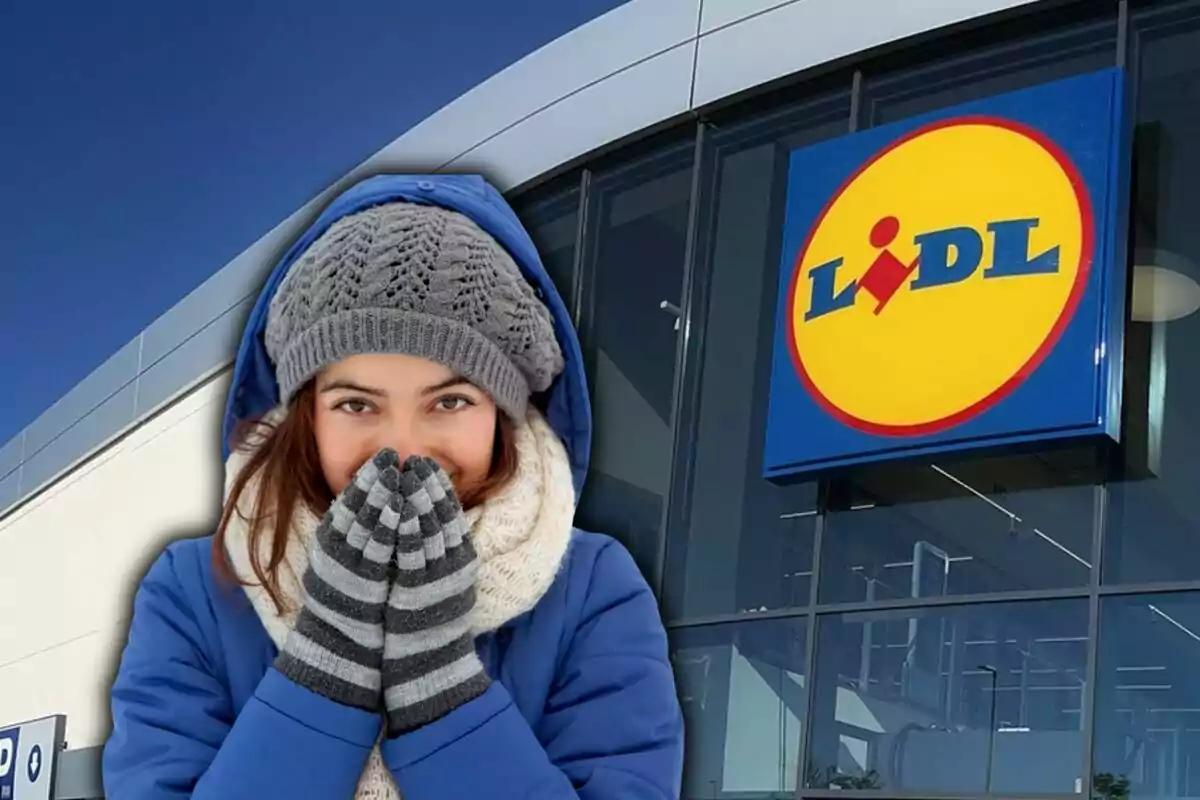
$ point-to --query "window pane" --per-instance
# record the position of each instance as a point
(994, 69)
(1154, 523)
(744, 543)
(988, 525)
(553, 224)
(1147, 708)
(951, 699)
(742, 689)
(638, 238)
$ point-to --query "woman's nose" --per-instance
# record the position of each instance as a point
(403, 436)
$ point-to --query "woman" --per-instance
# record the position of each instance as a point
(395, 602)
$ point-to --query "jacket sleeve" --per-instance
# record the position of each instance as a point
(612, 725)
(175, 733)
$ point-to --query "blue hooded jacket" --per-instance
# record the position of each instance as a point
(583, 701)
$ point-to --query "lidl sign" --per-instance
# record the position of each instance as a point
(954, 281)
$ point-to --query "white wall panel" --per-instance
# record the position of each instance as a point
(806, 33)
(9, 486)
(587, 55)
(105, 381)
(72, 558)
(640, 96)
(12, 454)
(719, 13)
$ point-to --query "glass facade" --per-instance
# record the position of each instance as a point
(1015, 625)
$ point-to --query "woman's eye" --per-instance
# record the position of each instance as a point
(453, 402)
(353, 406)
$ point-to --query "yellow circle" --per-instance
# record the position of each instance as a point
(933, 354)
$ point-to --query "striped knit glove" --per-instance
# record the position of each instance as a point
(429, 662)
(336, 646)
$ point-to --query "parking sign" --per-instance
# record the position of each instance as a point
(28, 757)
(9, 740)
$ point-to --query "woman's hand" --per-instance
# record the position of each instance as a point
(336, 646)
(429, 662)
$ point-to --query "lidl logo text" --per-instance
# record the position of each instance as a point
(943, 257)
(939, 276)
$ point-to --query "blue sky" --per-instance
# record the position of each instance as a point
(145, 144)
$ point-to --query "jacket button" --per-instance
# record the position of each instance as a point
(425, 186)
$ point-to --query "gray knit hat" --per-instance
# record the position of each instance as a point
(419, 280)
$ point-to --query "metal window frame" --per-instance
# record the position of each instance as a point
(686, 436)
(709, 139)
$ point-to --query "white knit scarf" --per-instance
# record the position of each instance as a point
(521, 535)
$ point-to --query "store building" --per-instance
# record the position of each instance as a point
(1051, 653)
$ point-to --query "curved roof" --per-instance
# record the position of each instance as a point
(637, 65)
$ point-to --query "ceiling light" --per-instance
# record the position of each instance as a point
(1162, 288)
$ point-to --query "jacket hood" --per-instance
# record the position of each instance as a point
(567, 408)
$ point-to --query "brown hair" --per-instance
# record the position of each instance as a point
(286, 459)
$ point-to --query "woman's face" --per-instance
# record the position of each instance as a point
(367, 402)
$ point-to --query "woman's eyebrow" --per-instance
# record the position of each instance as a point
(351, 386)
(446, 384)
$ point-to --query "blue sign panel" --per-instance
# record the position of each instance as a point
(9, 741)
(954, 281)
